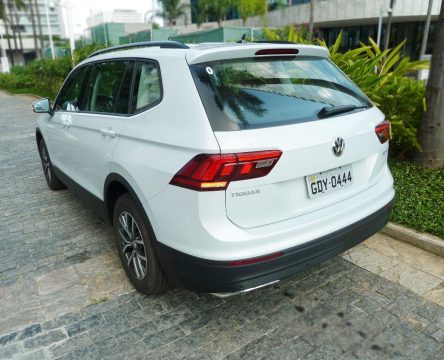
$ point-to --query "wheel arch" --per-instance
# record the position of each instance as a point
(115, 186)
(38, 135)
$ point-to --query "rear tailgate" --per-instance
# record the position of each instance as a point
(260, 102)
(307, 150)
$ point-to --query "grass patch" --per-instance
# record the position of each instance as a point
(419, 200)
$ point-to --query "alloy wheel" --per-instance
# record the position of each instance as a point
(133, 247)
(45, 160)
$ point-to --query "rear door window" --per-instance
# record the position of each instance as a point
(253, 93)
(105, 85)
(147, 87)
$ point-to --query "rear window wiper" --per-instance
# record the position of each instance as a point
(328, 111)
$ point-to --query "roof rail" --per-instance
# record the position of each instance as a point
(161, 44)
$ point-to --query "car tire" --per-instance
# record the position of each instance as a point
(135, 238)
(52, 180)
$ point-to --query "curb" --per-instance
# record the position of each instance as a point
(427, 242)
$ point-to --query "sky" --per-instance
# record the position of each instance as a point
(81, 9)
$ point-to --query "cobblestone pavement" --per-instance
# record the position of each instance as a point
(64, 295)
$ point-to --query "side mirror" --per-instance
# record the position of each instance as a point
(42, 106)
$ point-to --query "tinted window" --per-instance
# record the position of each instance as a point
(254, 93)
(122, 103)
(147, 88)
(104, 86)
(70, 97)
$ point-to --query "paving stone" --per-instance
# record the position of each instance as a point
(403, 304)
(29, 332)
(35, 355)
(6, 339)
(61, 321)
(163, 337)
(420, 344)
(98, 350)
(44, 339)
(411, 278)
(85, 325)
(438, 335)
(70, 345)
(295, 349)
(10, 352)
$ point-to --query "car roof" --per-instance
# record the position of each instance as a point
(202, 52)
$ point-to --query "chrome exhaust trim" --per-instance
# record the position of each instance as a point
(228, 294)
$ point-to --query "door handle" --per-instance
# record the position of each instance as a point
(108, 132)
(66, 123)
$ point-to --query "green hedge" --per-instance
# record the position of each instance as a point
(419, 200)
(43, 77)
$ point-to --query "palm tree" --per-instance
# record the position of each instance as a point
(217, 9)
(248, 8)
(431, 132)
(17, 5)
(172, 9)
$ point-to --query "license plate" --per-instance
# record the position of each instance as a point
(329, 181)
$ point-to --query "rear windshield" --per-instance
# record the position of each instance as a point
(254, 93)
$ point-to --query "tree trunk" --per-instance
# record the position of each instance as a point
(13, 28)
(431, 132)
(311, 24)
(39, 26)
(34, 31)
(17, 23)
(9, 43)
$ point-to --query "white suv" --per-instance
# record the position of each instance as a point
(222, 167)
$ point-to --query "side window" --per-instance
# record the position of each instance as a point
(104, 86)
(147, 88)
(71, 94)
(125, 90)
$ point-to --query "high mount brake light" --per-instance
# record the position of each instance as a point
(277, 52)
(383, 132)
(209, 172)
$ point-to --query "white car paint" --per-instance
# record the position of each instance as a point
(151, 147)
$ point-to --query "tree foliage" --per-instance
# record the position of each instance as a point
(19, 4)
(217, 9)
(248, 8)
(173, 9)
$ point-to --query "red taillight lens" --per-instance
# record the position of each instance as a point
(277, 52)
(206, 172)
(383, 131)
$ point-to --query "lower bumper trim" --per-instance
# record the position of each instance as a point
(204, 275)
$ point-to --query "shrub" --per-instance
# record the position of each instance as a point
(44, 76)
(48, 75)
(419, 200)
(82, 53)
(382, 76)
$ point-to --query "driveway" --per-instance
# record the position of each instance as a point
(63, 293)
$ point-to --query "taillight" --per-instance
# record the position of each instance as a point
(207, 172)
(383, 131)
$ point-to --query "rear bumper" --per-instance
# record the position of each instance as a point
(217, 276)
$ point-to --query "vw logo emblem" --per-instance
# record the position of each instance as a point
(338, 146)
